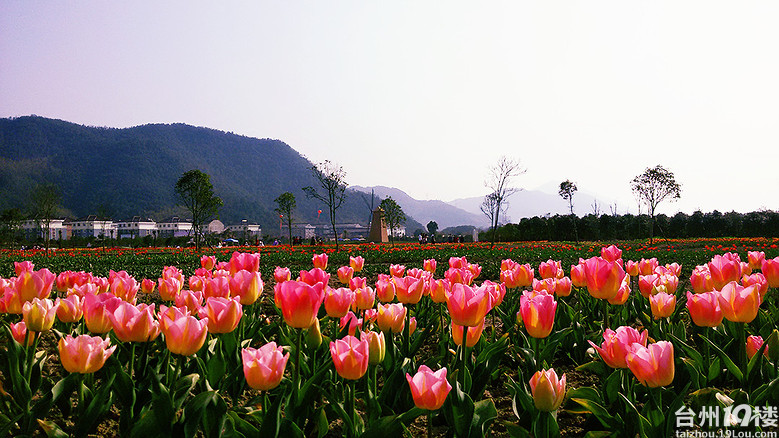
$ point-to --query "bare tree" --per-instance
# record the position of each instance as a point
(332, 179)
(45, 204)
(286, 204)
(595, 208)
(498, 182)
(653, 187)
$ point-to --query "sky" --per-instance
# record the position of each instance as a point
(425, 96)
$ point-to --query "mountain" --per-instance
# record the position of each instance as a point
(126, 172)
(539, 202)
(444, 214)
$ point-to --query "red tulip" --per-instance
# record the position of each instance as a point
(300, 302)
(264, 367)
(616, 345)
(350, 357)
(357, 263)
(429, 389)
(84, 354)
(738, 303)
(653, 366)
(548, 390)
(704, 309)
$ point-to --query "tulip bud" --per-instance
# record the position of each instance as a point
(376, 346)
(773, 346)
(314, 336)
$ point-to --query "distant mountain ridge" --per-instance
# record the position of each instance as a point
(126, 172)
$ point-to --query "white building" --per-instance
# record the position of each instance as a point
(58, 229)
(174, 227)
(135, 228)
(244, 230)
(92, 226)
(305, 231)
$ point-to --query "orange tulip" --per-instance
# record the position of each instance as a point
(364, 298)
(704, 309)
(739, 303)
(397, 270)
(550, 269)
(264, 367)
(623, 294)
(350, 357)
(223, 314)
(97, 310)
(429, 265)
(548, 390)
(185, 335)
(356, 263)
(34, 284)
(135, 324)
(84, 354)
(616, 345)
(468, 306)
(429, 389)
(319, 261)
(300, 302)
(653, 365)
(148, 286)
(611, 253)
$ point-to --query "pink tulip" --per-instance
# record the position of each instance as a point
(385, 288)
(84, 354)
(97, 310)
(653, 365)
(185, 335)
(647, 266)
(578, 275)
(135, 324)
(217, 287)
(125, 287)
(70, 309)
(548, 390)
(468, 306)
(754, 343)
(756, 259)
(264, 367)
(409, 290)
(738, 303)
(319, 261)
(497, 292)
(363, 298)
(538, 314)
(458, 262)
(20, 267)
(700, 280)
(314, 276)
(758, 280)
(391, 317)
(623, 294)
(39, 314)
(247, 286)
(376, 346)
(632, 268)
(770, 268)
(345, 274)
(415, 273)
(611, 253)
(350, 357)
(356, 263)
(148, 286)
(429, 389)
(704, 309)
(357, 283)
(243, 261)
(616, 345)
(437, 289)
(516, 275)
(34, 284)
(646, 283)
(192, 300)
(723, 270)
(338, 301)
(208, 262)
(604, 278)
(549, 269)
(474, 269)
(397, 270)
(548, 285)
(429, 265)
(19, 333)
(459, 275)
(281, 274)
(169, 288)
(10, 300)
(662, 304)
(300, 302)
(350, 322)
(223, 314)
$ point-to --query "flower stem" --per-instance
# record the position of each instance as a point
(131, 365)
(537, 342)
(465, 355)
(605, 314)
(407, 333)
(429, 424)
(297, 360)
(31, 353)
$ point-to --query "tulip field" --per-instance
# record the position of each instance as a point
(530, 339)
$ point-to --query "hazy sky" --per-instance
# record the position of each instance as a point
(426, 95)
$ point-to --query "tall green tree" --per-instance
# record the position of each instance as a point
(332, 183)
(432, 227)
(196, 193)
(45, 204)
(285, 205)
(393, 214)
(652, 187)
(11, 220)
